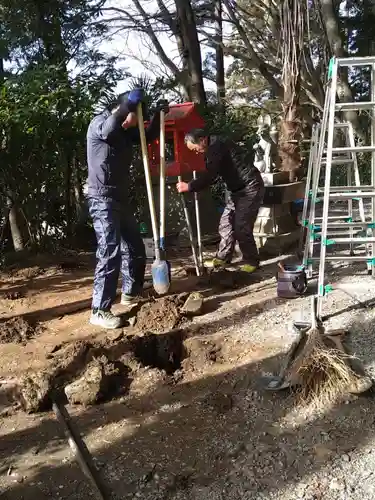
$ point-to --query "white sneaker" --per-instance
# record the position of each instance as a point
(105, 319)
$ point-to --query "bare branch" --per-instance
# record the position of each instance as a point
(260, 64)
(149, 30)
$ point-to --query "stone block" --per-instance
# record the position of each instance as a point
(274, 225)
(275, 178)
(284, 193)
(275, 244)
(274, 210)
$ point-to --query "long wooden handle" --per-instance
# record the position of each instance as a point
(162, 179)
(150, 194)
(81, 452)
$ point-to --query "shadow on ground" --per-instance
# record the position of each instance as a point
(219, 433)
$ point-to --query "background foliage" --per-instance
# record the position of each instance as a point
(53, 74)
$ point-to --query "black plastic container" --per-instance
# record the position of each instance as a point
(291, 282)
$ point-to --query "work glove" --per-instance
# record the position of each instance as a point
(162, 105)
(135, 97)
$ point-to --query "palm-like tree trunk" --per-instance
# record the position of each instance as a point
(293, 26)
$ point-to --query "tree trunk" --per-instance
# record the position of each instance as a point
(77, 188)
(15, 226)
(181, 76)
(336, 43)
(292, 20)
(219, 53)
(1, 71)
(290, 135)
(186, 19)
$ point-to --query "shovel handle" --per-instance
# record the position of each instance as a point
(162, 179)
(80, 451)
(146, 166)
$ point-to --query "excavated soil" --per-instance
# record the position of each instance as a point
(15, 294)
(18, 330)
(161, 315)
(88, 373)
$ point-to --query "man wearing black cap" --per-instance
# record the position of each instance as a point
(110, 139)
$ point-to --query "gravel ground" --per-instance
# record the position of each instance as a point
(218, 435)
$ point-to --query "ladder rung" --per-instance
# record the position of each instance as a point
(355, 61)
(343, 258)
(354, 149)
(336, 161)
(342, 162)
(334, 233)
(341, 241)
(342, 125)
(354, 106)
(338, 189)
(340, 225)
(332, 217)
(348, 196)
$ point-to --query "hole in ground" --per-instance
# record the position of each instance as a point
(164, 351)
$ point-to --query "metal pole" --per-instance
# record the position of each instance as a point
(316, 176)
(373, 162)
(327, 184)
(312, 159)
(198, 219)
(349, 182)
(190, 231)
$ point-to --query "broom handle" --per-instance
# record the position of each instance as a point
(162, 179)
(150, 194)
(198, 218)
(190, 231)
(81, 452)
(314, 323)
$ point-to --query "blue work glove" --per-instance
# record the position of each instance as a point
(135, 97)
(162, 105)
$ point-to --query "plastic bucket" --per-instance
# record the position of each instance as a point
(291, 282)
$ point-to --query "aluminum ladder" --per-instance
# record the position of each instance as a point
(327, 155)
(310, 221)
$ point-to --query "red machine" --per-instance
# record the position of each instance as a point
(179, 159)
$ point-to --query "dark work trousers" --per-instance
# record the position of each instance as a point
(120, 248)
(237, 223)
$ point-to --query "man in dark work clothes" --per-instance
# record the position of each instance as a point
(246, 190)
(110, 139)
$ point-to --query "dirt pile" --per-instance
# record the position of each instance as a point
(100, 381)
(199, 354)
(146, 380)
(18, 330)
(161, 315)
(14, 294)
(89, 373)
(33, 391)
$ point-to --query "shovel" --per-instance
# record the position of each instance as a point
(159, 268)
(190, 231)
(162, 193)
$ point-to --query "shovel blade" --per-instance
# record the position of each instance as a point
(160, 271)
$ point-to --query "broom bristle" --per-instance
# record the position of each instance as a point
(324, 372)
